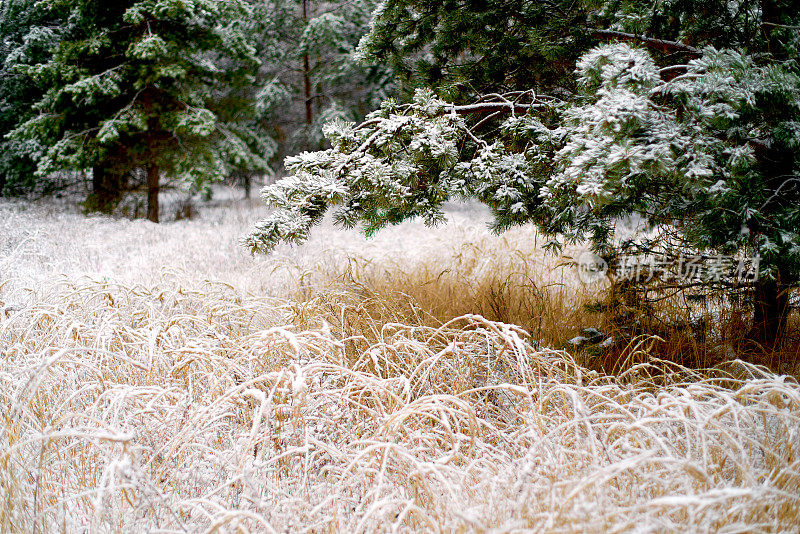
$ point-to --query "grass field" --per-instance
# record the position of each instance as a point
(159, 378)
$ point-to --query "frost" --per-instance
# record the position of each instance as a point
(193, 386)
(373, 168)
(617, 65)
(151, 47)
(89, 89)
(192, 121)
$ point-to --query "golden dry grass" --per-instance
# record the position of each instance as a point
(345, 405)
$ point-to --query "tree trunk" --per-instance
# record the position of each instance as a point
(153, 186)
(247, 184)
(307, 90)
(307, 75)
(771, 297)
(107, 190)
(770, 313)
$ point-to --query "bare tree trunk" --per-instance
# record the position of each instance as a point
(247, 184)
(307, 90)
(770, 313)
(153, 187)
(107, 190)
(307, 75)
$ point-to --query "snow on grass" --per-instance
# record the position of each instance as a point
(38, 241)
(158, 378)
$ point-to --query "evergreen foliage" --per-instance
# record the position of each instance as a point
(145, 85)
(25, 37)
(688, 121)
(309, 74)
(471, 47)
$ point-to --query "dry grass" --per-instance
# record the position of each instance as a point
(507, 279)
(510, 279)
(173, 404)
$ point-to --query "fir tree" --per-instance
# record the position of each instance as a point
(144, 86)
(25, 36)
(472, 47)
(690, 122)
(309, 72)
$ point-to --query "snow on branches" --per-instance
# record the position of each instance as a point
(686, 150)
(401, 162)
(681, 151)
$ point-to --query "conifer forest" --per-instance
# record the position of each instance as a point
(399, 266)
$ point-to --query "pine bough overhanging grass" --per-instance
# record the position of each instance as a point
(693, 151)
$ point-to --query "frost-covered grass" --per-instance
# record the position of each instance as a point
(158, 378)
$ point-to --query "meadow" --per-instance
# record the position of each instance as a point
(159, 378)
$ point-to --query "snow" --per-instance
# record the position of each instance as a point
(38, 241)
(160, 378)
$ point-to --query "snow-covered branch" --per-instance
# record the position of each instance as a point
(676, 150)
(658, 44)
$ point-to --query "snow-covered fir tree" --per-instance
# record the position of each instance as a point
(26, 36)
(661, 124)
(146, 86)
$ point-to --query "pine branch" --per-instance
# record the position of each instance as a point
(782, 26)
(659, 44)
(486, 107)
(470, 109)
(668, 73)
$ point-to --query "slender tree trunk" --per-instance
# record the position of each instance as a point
(153, 187)
(247, 183)
(307, 90)
(771, 311)
(771, 297)
(307, 74)
(106, 190)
